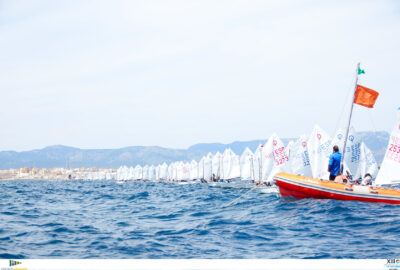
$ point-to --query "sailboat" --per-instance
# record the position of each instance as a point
(300, 187)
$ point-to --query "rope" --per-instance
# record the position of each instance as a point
(232, 202)
(344, 105)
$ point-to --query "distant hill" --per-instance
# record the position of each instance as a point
(65, 156)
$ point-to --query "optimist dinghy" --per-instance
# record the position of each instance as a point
(301, 187)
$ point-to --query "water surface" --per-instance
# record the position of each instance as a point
(103, 219)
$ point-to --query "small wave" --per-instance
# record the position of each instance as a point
(173, 232)
(7, 213)
(123, 224)
(200, 214)
(202, 232)
(105, 197)
(50, 224)
(63, 230)
(143, 194)
(88, 229)
(241, 235)
(30, 216)
(11, 256)
(100, 247)
(168, 216)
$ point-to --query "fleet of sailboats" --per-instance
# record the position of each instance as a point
(299, 169)
(304, 156)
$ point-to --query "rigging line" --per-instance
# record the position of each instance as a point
(344, 104)
(232, 202)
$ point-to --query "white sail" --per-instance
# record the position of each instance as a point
(179, 171)
(230, 165)
(175, 171)
(123, 173)
(194, 170)
(163, 171)
(146, 172)
(319, 150)
(257, 171)
(289, 147)
(170, 171)
(138, 172)
(208, 166)
(226, 163)
(183, 171)
(235, 167)
(186, 171)
(131, 173)
(152, 173)
(157, 172)
(274, 157)
(367, 162)
(390, 168)
(246, 165)
(216, 164)
(119, 174)
(200, 167)
(299, 161)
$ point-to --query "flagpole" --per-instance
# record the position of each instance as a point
(348, 124)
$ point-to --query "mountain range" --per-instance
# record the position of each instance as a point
(65, 156)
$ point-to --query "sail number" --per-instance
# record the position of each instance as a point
(355, 152)
(306, 160)
(394, 148)
(280, 156)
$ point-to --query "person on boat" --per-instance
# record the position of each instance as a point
(334, 163)
(367, 180)
(344, 178)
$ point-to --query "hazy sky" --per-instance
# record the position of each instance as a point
(109, 74)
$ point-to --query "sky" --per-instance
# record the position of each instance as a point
(110, 74)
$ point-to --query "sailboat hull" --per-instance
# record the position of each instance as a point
(301, 187)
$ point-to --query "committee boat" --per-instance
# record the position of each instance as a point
(301, 187)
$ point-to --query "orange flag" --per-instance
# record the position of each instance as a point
(365, 97)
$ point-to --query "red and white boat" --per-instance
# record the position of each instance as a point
(300, 187)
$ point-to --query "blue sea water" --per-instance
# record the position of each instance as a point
(104, 219)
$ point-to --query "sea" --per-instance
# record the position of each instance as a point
(50, 219)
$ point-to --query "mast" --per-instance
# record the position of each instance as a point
(203, 170)
(221, 165)
(348, 124)
(260, 169)
(211, 168)
(252, 168)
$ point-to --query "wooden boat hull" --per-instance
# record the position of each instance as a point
(301, 187)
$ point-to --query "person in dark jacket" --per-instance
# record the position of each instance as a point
(334, 163)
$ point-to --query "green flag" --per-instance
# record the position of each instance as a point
(360, 71)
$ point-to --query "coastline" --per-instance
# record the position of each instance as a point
(29, 173)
